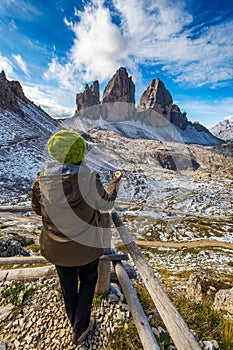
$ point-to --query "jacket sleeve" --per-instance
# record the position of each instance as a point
(105, 198)
(35, 197)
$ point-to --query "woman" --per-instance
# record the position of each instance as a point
(69, 196)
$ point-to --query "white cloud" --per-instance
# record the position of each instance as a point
(51, 100)
(209, 58)
(18, 9)
(98, 49)
(149, 32)
(21, 64)
(151, 21)
(157, 31)
(64, 74)
(6, 65)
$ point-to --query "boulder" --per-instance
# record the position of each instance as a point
(199, 285)
(2, 345)
(224, 300)
(5, 311)
(9, 247)
(210, 345)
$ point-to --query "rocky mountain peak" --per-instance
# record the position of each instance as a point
(224, 129)
(156, 97)
(90, 96)
(120, 88)
(9, 92)
(2, 76)
(155, 107)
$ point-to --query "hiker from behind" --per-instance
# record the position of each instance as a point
(69, 197)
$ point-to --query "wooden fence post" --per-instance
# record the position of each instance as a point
(103, 282)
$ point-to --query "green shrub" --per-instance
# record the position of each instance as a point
(15, 294)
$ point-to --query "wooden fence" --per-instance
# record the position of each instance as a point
(176, 326)
(174, 323)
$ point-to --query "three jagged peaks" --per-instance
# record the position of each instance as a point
(121, 88)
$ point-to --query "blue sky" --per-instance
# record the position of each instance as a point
(55, 47)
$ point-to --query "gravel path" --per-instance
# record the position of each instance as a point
(42, 323)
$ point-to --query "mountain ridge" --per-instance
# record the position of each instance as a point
(155, 107)
(224, 129)
(25, 129)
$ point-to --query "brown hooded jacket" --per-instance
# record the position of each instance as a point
(69, 201)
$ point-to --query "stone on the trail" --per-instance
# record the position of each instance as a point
(2, 345)
(5, 311)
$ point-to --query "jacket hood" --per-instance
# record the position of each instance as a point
(55, 168)
(66, 184)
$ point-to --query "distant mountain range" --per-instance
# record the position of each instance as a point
(224, 129)
(25, 128)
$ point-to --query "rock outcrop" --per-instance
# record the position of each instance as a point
(90, 97)
(224, 300)
(9, 91)
(10, 246)
(178, 118)
(155, 109)
(156, 97)
(198, 286)
(120, 88)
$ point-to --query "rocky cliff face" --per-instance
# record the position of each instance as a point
(24, 131)
(9, 92)
(178, 118)
(90, 97)
(155, 109)
(224, 129)
(155, 103)
(156, 97)
(120, 88)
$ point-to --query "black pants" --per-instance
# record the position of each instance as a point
(78, 301)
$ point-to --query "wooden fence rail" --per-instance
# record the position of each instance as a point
(28, 274)
(21, 260)
(15, 208)
(176, 326)
(143, 327)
